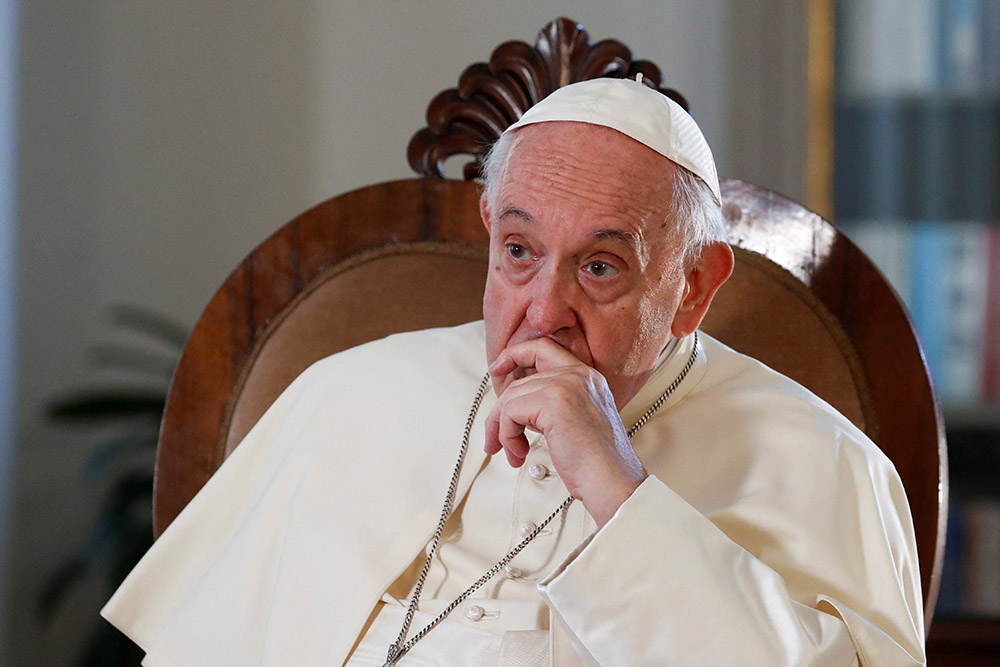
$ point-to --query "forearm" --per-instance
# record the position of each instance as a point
(660, 584)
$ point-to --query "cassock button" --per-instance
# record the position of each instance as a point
(475, 612)
(526, 528)
(512, 571)
(538, 471)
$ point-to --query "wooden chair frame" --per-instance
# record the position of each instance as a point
(805, 253)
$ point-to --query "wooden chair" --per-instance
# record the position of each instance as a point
(412, 254)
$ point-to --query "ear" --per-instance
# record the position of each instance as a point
(484, 213)
(703, 280)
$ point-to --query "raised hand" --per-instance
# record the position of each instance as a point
(544, 387)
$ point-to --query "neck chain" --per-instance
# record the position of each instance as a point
(397, 649)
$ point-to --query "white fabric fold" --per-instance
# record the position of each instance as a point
(772, 531)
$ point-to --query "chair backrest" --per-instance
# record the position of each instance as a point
(412, 254)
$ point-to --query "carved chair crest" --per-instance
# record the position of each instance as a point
(491, 96)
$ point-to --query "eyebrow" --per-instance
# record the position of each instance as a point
(517, 213)
(630, 239)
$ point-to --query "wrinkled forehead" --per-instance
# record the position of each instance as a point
(582, 160)
(589, 179)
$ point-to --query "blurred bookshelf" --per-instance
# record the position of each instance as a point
(917, 187)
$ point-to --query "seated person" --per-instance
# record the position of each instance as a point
(624, 490)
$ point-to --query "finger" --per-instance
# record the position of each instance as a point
(518, 412)
(505, 426)
(514, 460)
(513, 440)
(493, 433)
(539, 380)
(516, 452)
(540, 354)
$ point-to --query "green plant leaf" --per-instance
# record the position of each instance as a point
(128, 358)
(123, 529)
(147, 321)
(102, 461)
(57, 585)
(103, 405)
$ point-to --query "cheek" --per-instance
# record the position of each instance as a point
(499, 313)
(490, 314)
(495, 295)
(647, 330)
(645, 334)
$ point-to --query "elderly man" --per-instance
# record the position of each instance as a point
(660, 499)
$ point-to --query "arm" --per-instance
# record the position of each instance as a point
(778, 535)
(661, 584)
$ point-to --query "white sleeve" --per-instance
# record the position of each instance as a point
(662, 584)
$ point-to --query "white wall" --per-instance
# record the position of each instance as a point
(161, 141)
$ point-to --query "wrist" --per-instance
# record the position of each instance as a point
(607, 498)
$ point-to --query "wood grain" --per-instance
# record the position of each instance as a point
(467, 119)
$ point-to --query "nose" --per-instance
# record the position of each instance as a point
(552, 302)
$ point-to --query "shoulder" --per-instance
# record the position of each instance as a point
(405, 359)
(742, 410)
(764, 458)
(747, 388)
(792, 481)
(398, 379)
(730, 371)
(443, 344)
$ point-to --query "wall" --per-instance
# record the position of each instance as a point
(161, 141)
(8, 203)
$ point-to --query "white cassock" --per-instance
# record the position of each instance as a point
(771, 531)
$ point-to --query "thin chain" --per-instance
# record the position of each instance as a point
(671, 389)
(394, 652)
(397, 649)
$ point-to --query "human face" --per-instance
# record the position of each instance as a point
(582, 252)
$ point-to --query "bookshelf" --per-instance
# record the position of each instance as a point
(916, 184)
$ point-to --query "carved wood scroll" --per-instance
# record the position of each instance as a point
(491, 96)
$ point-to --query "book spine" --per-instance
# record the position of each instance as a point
(909, 67)
(981, 562)
(929, 301)
(990, 51)
(959, 47)
(991, 328)
(965, 319)
(950, 599)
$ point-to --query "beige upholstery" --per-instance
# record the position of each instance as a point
(398, 288)
(802, 339)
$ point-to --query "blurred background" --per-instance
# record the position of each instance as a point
(147, 146)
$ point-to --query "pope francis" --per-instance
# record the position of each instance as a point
(582, 478)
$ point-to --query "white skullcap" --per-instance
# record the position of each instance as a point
(637, 111)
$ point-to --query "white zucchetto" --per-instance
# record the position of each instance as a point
(637, 111)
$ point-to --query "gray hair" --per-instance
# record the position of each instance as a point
(693, 204)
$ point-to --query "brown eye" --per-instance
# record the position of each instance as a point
(517, 252)
(600, 269)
